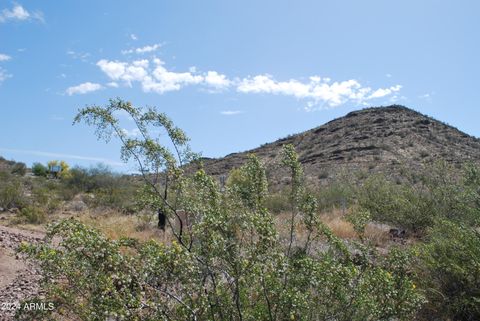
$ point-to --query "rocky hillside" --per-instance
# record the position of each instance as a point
(12, 166)
(381, 139)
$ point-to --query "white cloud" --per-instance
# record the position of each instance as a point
(133, 36)
(4, 57)
(112, 84)
(382, 92)
(216, 80)
(231, 112)
(142, 50)
(83, 88)
(318, 92)
(20, 14)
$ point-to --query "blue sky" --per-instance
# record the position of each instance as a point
(233, 75)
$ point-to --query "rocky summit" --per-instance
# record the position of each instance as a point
(377, 139)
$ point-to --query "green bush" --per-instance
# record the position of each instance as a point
(11, 194)
(32, 215)
(451, 266)
(39, 169)
(439, 191)
(226, 261)
(230, 264)
(401, 205)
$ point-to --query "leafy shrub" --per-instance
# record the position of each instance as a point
(108, 188)
(401, 205)
(39, 169)
(229, 264)
(33, 215)
(277, 203)
(451, 263)
(11, 194)
(45, 198)
(439, 191)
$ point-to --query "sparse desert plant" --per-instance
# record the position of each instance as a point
(32, 215)
(11, 193)
(450, 262)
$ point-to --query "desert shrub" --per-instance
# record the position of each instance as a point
(227, 261)
(229, 266)
(451, 271)
(401, 205)
(277, 203)
(19, 169)
(438, 192)
(39, 169)
(11, 193)
(108, 188)
(45, 198)
(32, 215)
(338, 194)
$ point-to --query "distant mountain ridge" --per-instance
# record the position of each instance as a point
(376, 139)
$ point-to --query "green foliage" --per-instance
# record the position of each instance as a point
(11, 193)
(39, 169)
(108, 188)
(440, 192)
(359, 219)
(228, 264)
(451, 262)
(277, 203)
(32, 215)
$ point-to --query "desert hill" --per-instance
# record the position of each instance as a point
(378, 139)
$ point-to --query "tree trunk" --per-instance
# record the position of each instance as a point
(161, 219)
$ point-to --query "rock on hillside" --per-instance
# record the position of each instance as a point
(380, 139)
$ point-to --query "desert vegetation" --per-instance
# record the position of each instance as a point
(178, 244)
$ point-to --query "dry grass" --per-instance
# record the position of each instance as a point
(115, 226)
(340, 227)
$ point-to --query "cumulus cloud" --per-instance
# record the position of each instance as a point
(155, 77)
(84, 88)
(142, 50)
(4, 57)
(318, 92)
(216, 80)
(18, 13)
(231, 112)
(133, 36)
(382, 92)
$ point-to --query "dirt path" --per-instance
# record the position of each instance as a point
(18, 277)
